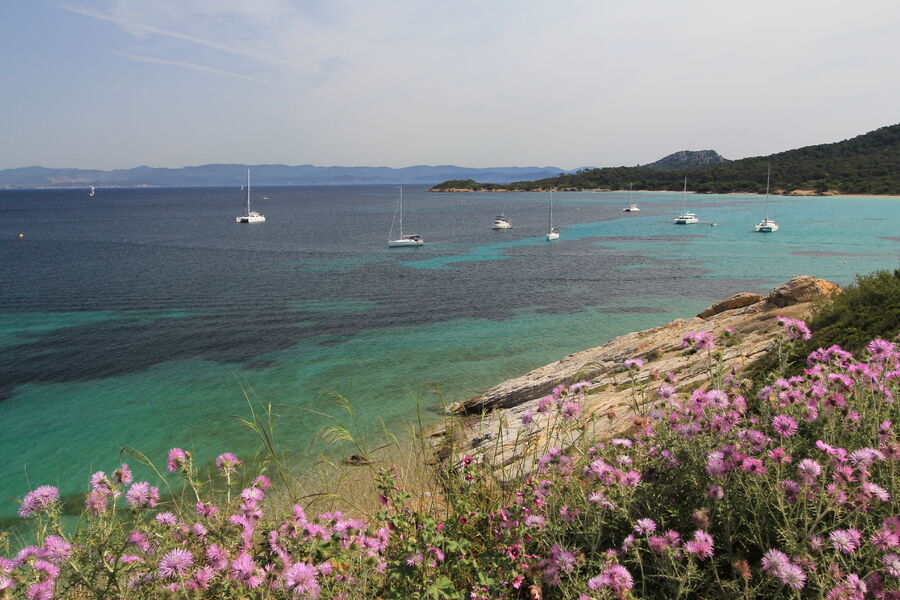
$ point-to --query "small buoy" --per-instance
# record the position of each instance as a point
(21, 235)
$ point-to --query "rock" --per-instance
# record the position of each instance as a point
(737, 301)
(356, 460)
(498, 416)
(802, 288)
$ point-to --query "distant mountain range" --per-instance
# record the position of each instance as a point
(865, 164)
(236, 174)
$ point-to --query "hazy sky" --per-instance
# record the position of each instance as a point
(119, 83)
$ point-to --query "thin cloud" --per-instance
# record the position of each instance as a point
(196, 67)
(87, 12)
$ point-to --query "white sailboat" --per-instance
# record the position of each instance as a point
(92, 192)
(632, 207)
(501, 222)
(767, 225)
(552, 232)
(404, 241)
(685, 218)
(252, 216)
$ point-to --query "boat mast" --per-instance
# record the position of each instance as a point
(550, 217)
(766, 211)
(401, 212)
(684, 198)
(248, 191)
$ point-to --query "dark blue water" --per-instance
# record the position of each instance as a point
(140, 317)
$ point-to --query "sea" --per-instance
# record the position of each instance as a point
(147, 318)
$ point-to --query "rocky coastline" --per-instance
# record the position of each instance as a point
(491, 424)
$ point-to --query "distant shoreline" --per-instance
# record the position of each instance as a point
(793, 193)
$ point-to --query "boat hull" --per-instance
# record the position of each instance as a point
(250, 219)
(552, 236)
(406, 243)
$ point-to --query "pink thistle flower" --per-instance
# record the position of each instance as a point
(97, 501)
(780, 456)
(166, 518)
(56, 549)
(175, 564)
(634, 363)
(253, 494)
(302, 579)
(715, 492)
(880, 349)
(793, 576)
(784, 425)
(615, 577)
(774, 560)
(809, 470)
(216, 557)
(138, 539)
(891, 563)
(533, 521)
(39, 500)
(41, 591)
(644, 526)
(262, 482)
(885, 539)
(845, 540)
(202, 577)
(754, 466)
(544, 404)
(50, 570)
(206, 509)
(665, 392)
(872, 489)
(141, 494)
(178, 459)
(528, 417)
(228, 463)
(701, 546)
(570, 411)
(122, 475)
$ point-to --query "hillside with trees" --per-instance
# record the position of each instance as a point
(866, 164)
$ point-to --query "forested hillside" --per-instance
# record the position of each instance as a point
(866, 164)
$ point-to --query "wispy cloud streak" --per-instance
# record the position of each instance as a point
(231, 49)
(196, 67)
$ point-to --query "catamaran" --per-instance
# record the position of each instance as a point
(767, 225)
(552, 232)
(404, 240)
(685, 218)
(252, 216)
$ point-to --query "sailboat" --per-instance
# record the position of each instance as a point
(501, 222)
(92, 192)
(767, 225)
(552, 232)
(404, 240)
(632, 207)
(685, 218)
(252, 216)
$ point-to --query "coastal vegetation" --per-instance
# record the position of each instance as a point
(866, 164)
(783, 486)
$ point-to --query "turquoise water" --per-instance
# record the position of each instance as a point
(142, 318)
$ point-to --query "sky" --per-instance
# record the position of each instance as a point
(107, 84)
